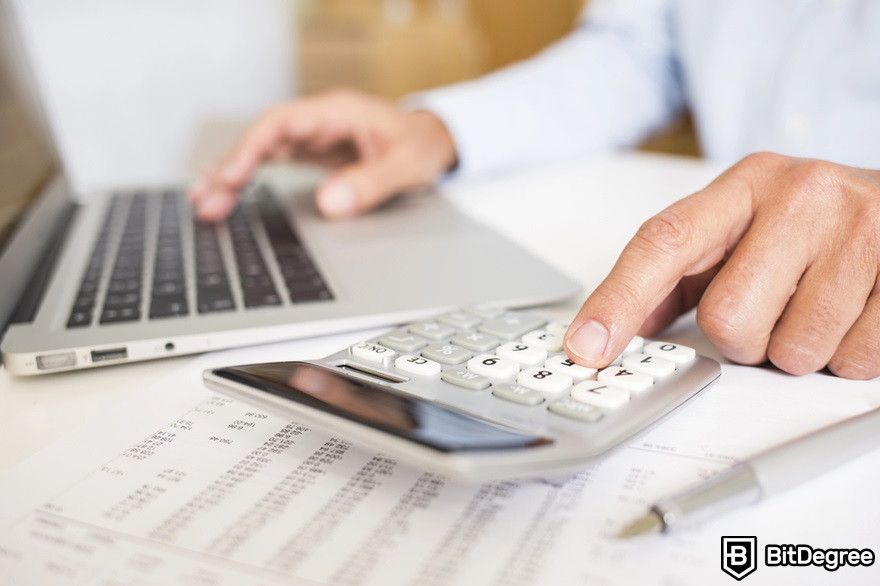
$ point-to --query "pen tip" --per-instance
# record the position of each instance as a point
(649, 523)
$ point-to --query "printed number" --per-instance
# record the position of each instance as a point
(542, 374)
(519, 347)
(567, 362)
(378, 349)
(668, 347)
(490, 361)
(417, 360)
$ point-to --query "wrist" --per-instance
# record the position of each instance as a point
(440, 145)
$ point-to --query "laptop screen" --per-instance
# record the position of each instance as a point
(27, 159)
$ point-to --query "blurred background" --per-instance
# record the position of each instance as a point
(149, 92)
(394, 47)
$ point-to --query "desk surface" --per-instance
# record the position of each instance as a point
(576, 217)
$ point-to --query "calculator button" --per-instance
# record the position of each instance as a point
(486, 310)
(517, 394)
(460, 319)
(576, 410)
(522, 353)
(624, 378)
(563, 365)
(599, 394)
(493, 367)
(674, 352)
(557, 327)
(476, 341)
(403, 341)
(372, 352)
(446, 353)
(544, 339)
(635, 345)
(432, 330)
(512, 325)
(462, 377)
(650, 365)
(417, 365)
(544, 381)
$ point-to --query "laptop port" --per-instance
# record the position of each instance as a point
(61, 360)
(109, 354)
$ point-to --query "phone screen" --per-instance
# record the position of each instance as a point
(405, 416)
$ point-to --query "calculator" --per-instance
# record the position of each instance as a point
(477, 393)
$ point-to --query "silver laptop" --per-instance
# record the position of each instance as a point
(131, 276)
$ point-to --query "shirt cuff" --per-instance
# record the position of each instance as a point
(472, 120)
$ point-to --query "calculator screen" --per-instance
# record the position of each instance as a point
(405, 416)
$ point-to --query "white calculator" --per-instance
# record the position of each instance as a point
(477, 393)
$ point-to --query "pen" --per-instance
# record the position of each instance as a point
(765, 474)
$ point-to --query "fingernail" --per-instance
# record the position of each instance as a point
(338, 199)
(589, 341)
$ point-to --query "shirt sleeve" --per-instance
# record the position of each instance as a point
(607, 85)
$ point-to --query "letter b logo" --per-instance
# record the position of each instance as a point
(739, 556)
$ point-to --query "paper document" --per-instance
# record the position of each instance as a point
(188, 487)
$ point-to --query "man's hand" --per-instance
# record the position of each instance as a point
(388, 150)
(779, 255)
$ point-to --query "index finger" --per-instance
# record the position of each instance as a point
(687, 238)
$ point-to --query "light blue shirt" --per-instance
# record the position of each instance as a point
(798, 77)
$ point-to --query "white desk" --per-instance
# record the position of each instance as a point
(577, 217)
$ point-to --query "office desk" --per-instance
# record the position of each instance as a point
(576, 216)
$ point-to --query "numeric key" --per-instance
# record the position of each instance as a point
(544, 381)
(650, 365)
(544, 339)
(625, 378)
(675, 352)
(563, 365)
(522, 353)
(493, 367)
(600, 395)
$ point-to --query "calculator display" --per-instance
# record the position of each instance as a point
(405, 416)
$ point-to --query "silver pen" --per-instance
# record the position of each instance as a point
(765, 474)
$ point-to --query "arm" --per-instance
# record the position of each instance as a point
(607, 85)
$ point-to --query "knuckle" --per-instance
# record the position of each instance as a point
(793, 357)
(721, 327)
(761, 160)
(814, 179)
(670, 231)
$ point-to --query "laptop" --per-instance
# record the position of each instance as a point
(130, 275)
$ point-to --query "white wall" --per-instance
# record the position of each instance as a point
(127, 84)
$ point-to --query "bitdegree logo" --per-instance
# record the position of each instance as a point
(831, 559)
(739, 556)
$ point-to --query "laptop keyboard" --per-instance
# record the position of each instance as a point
(122, 301)
(168, 295)
(257, 288)
(212, 283)
(87, 294)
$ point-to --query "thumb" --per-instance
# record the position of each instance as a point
(363, 185)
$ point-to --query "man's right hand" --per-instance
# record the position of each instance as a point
(393, 150)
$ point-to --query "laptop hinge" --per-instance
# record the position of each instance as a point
(33, 294)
